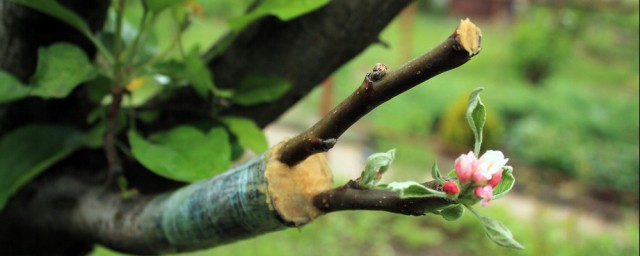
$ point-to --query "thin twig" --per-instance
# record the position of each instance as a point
(354, 197)
(113, 160)
(380, 86)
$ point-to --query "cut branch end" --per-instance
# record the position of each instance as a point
(469, 36)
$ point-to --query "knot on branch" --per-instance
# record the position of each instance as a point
(320, 145)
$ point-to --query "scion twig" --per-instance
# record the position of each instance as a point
(381, 85)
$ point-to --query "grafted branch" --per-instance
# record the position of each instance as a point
(380, 86)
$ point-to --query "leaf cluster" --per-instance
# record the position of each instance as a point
(134, 78)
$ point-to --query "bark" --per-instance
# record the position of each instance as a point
(231, 206)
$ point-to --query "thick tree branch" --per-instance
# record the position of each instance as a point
(304, 51)
(380, 86)
(261, 196)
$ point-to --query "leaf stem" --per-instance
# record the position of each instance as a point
(143, 25)
(117, 92)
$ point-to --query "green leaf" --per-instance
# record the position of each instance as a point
(476, 116)
(10, 88)
(60, 12)
(256, 88)
(452, 212)
(61, 67)
(413, 189)
(496, 231)
(200, 77)
(377, 164)
(435, 173)
(506, 183)
(282, 9)
(452, 174)
(499, 233)
(158, 6)
(27, 151)
(183, 153)
(248, 133)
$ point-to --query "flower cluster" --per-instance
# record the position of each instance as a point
(482, 173)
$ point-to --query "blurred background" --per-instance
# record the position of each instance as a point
(561, 87)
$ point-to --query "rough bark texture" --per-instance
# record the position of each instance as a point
(223, 209)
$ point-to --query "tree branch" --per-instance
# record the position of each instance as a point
(303, 51)
(353, 197)
(380, 86)
(260, 196)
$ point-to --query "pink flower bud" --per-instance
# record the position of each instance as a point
(464, 166)
(450, 188)
(495, 179)
(484, 192)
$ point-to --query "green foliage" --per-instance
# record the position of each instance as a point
(499, 233)
(506, 183)
(10, 88)
(248, 133)
(61, 68)
(200, 77)
(408, 189)
(476, 117)
(435, 174)
(453, 127)
(29, 150)
(538, 47)
(529, 141)
(377, 165)
(60, 12)
(256, 88)
(452, 212)
(158, 6)
(149, 79)
(282, 9)
(183, 153)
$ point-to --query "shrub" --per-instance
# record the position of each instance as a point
(538, 46)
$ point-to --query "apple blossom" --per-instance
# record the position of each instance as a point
(484, 192)
(490, 163)
(464, 166)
